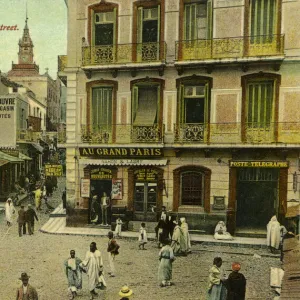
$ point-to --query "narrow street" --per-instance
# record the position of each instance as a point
(42, 257)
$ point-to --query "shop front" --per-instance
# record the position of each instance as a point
(257, 191)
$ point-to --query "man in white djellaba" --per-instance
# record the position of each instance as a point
(185, 228)
(221, 232)
(273, 234)
(9, 211)
(93, 266)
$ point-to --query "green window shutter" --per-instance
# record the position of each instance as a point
(158, 105)
(140, 25)
(115, 26)
(135, 102)
(158, 23)
(181, 104)
(209, 20)
(93, 18)
(206, 93)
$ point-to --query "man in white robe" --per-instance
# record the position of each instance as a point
(9, 211)
(93, 266)
(178, 241)
(221, 232)
(185, 229)
(273, 234)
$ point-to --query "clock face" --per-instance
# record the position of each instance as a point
(25, 58)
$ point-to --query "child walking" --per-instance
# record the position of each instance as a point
(142, 237)
(118, 228)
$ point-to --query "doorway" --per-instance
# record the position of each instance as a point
(257, 195)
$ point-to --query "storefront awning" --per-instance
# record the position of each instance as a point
(10, 158)
(23, 156)
(124, 162)
(38, 147)
(3, 162)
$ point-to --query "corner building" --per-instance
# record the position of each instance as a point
(193, 105)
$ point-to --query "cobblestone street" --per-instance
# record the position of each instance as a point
(42, 257)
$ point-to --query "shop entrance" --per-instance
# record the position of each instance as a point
(257, 194)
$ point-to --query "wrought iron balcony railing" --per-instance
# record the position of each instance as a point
(28, 135)
(61, 136)
(62, 62)
(190, 132)
(232, 47)
(121, 133)
(124, 53)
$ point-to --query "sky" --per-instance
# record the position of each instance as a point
(47, 22)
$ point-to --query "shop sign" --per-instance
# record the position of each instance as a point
(117, 189)
(259, 164)
(146, 175)
(53, 170)
(11, 152)
(85, 188)
(101, 173)
(7, 120)
(120, 152)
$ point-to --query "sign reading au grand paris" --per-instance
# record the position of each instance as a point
(120, 152)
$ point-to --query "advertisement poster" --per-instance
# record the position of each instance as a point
(171, 126)
(117, 189)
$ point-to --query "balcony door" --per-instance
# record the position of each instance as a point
(260, 111)
(105, 36)
(194, 112)
(148, 33)
(264, 38)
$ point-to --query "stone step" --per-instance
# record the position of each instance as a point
(59, 211)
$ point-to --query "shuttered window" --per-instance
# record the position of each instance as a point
(101, 109)
(260, 104)
(263, 20)
(198, 20)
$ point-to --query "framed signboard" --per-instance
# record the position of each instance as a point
(85, 188)
(117, 189)
(53, 170)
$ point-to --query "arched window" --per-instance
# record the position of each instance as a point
(191, 187)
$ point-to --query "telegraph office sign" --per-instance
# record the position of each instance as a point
(259, 164)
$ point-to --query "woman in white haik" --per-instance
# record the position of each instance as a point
(118, 228)
(9, 211)
(221, 232)
(185, 228)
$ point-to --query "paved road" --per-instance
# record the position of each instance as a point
(42, 257)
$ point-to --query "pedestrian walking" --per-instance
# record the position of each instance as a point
(9, 212)
(166, 258)
(273, 234)
(38, 197)
(216, 287)
(143, 237)
(22, 221)
(236, 283)
(185, 229)
(104, 207)
(26, 291)
(118, 228)
(178, 241)
(125, 292)
(113, 250)
(27, 184)
(73, 273)
(64, 198)
(30, 217)
(93, 267)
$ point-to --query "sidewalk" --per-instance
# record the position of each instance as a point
(57, 225)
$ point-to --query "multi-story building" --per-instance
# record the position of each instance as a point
(46, 89)
(193, 105)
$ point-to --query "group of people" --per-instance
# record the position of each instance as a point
(25, 218)
(99, 209)
(92, 265)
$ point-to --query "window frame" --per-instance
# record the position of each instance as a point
(260, 77)
(177, 201)
(102, 7)
(102, 83)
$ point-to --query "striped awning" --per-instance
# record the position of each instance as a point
(10, 158)
(23, 156)
(124, 162)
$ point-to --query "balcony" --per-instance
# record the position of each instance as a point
(62, 64)
(238, 133)
(124, 56)
(230, 48)
(28, 136)
(121, 134)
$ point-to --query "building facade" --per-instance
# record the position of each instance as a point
(46, 89)
(192, 105)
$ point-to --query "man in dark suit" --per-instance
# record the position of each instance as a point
(22, 220)
(26, 291)
(30, 216)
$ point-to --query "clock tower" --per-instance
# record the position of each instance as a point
(25, 47)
